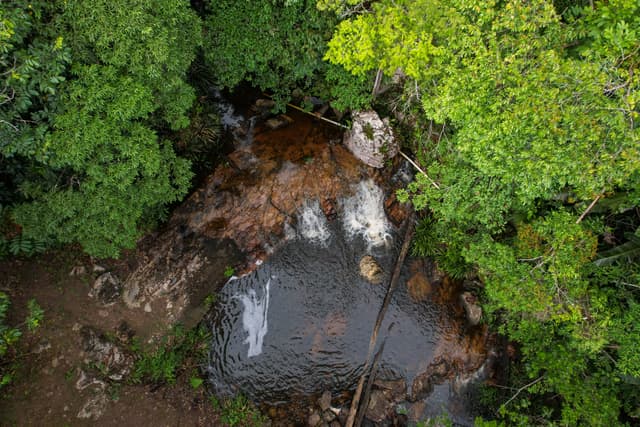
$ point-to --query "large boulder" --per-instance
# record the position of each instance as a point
(371, 139)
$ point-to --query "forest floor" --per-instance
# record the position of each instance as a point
(47, 387)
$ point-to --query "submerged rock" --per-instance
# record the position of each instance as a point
(419, 286)
(371, 139)
(380, 406)
(371, 270)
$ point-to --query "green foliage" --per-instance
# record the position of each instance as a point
(167, 360)
(239, 411)
(115, 74)
(229, 271)
(539, 113)
(281, 43)
(10, 335)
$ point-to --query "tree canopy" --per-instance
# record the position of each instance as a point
(540, 110)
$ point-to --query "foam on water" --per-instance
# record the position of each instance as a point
(363, 215)
(254, 318)
(312, 224)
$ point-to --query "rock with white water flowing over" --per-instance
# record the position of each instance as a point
(371, 139)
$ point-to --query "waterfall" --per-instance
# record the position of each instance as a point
(363, 214)
(312, 224)
(254, 318)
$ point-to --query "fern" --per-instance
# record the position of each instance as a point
(623, 252)
(21, 245)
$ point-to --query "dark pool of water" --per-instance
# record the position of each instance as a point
(319, 320)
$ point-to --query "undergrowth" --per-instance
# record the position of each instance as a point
(180, 350)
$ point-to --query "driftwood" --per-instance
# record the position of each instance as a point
(408, 235)
(367, 390)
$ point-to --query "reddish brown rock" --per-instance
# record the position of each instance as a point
(245, 203)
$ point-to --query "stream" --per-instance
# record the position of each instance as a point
(298, 319)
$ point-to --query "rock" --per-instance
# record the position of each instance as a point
(396, 211)
(85, 380)
(335, 423)
(147, 308)
(416, 411)
(43, 345)
(418, 286)
(314, 419)
(115, 362)
(328, 416)
(94, 407)
(436, 373)
(325, 401)
(380, 407)
(236, 216)
(98, 269)
(371, 270)
(78, 270)
(395, 390)
(278, 122)
(471, 308)
(371, 139)
(106, 288)
(264, 104)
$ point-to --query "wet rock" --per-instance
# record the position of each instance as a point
(328, 416)
(395, 390)
(278, 122)
(471, 308)
(371, 139)
(380, 406)
(416, 411)
(314, 419)
(114, 362)
(436, 373)
(325, 401)
(396, 211)
(371, 270)
(106, 288)
(238, 215)
(419, 287)
(94, 407)
(264, 104)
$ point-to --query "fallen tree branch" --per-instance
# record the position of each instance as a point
(524, 387)
(393, 282)
(415, 165)
(586, 211)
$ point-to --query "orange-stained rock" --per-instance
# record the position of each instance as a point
(246, 201)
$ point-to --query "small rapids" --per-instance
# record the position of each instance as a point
(301, 322)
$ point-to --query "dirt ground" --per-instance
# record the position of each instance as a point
(45, 391)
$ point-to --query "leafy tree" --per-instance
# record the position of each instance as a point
(91, 164)
(539, 112)
(278, 47)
